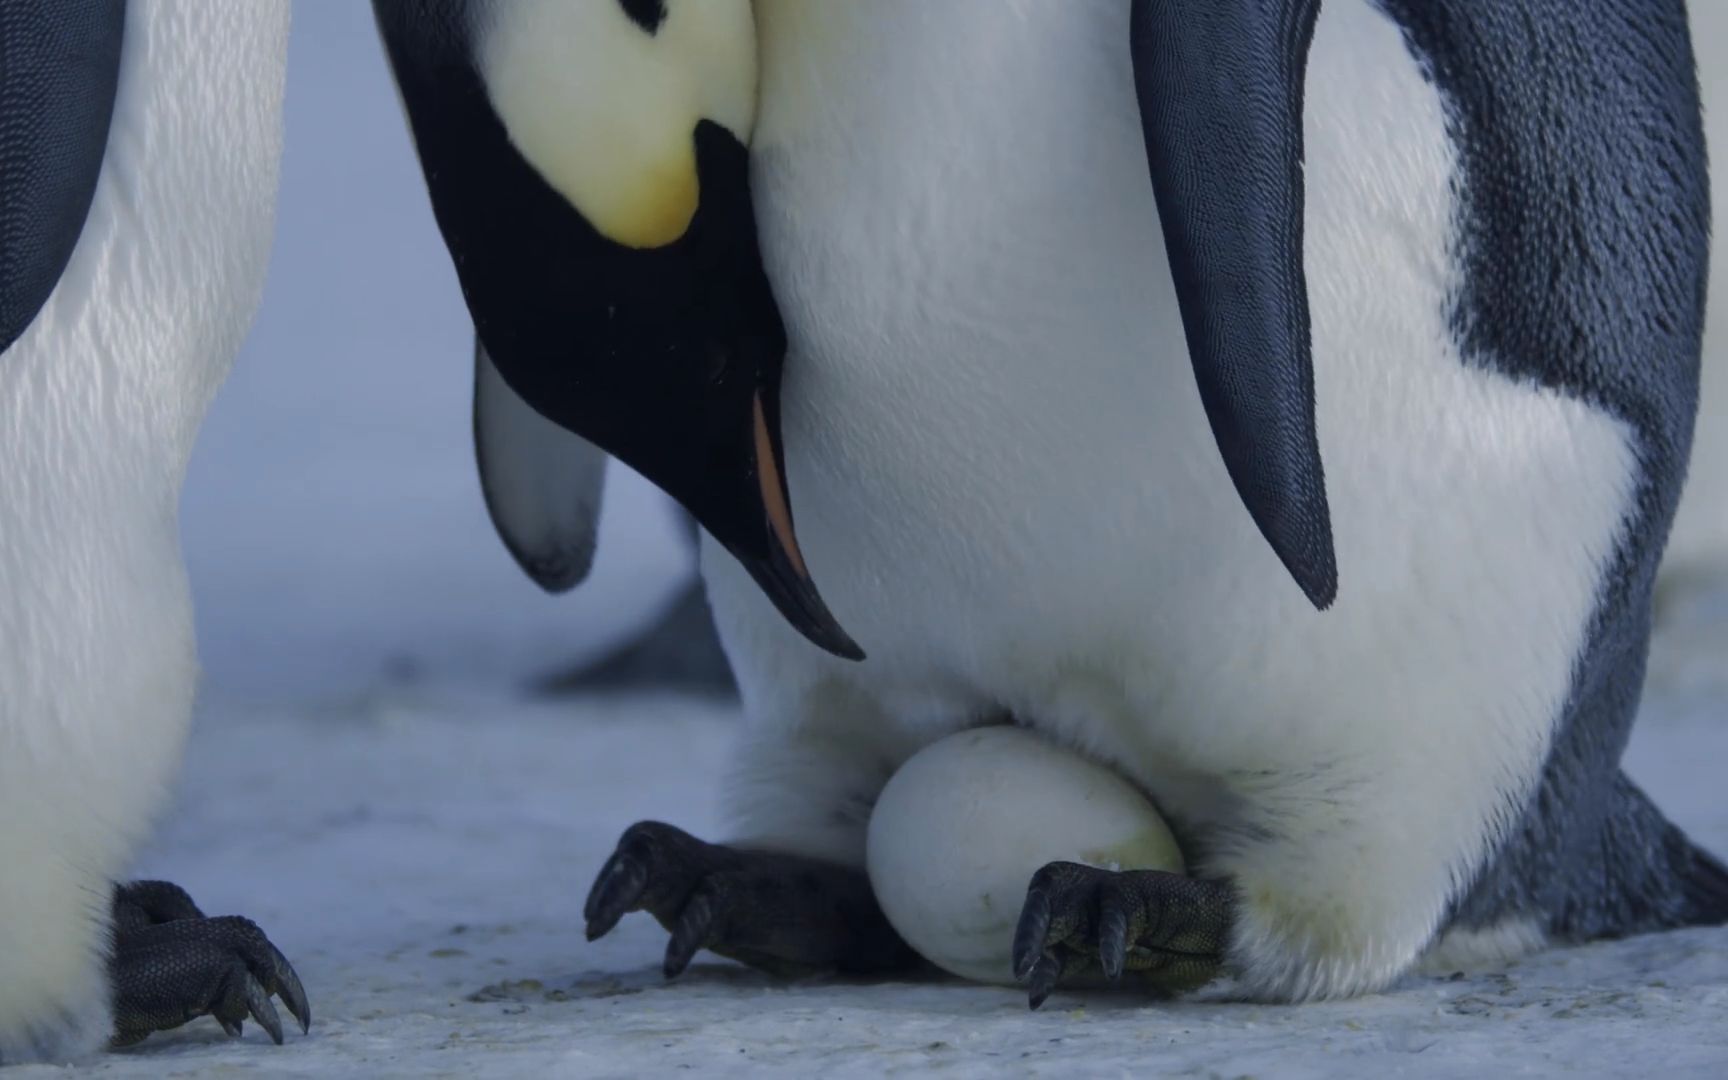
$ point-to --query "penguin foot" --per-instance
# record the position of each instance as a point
(1167, 930)
(172, 965)
(783, 914)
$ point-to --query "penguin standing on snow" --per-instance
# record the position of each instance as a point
(139, 142)
(1367, 614)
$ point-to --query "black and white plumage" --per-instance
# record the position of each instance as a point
(617, 295)
(139, 142)
(1366, 614)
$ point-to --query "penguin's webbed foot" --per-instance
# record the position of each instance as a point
(1166, 929)
(172, 964)
(783, 914)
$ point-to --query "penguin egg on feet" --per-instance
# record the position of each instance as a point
(960, 829)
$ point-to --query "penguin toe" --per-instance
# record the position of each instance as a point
(172, 965)
(1164, 930)
(781, 913)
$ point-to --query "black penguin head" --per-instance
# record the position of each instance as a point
(588, 169)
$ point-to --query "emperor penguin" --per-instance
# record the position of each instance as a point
(1282, 402)
(139, 144)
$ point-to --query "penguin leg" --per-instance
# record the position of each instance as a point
(172, 964)
(1166, 930)
(783, 914)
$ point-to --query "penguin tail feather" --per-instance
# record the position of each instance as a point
(1705, 887)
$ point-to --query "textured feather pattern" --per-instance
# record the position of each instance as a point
(1583, 231)
(100, 400)
(1015, 501)
(59, 64)
(1220, 88)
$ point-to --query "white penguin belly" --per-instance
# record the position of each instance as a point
(1008, 493)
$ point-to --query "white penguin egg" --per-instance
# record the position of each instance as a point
(961, 828)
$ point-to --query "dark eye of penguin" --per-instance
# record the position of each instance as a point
(648, 14)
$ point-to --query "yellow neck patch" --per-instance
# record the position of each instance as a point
(606, 112)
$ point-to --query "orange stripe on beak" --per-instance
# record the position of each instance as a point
(774, 492)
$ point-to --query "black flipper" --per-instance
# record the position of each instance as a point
(1220, 84)
(59, 67)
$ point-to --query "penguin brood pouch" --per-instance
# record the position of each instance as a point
(1282, 403)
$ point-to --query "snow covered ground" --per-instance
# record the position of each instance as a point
(368, 784)
(423, 861)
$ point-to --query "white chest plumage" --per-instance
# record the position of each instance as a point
(1008, 492)
(100, 401)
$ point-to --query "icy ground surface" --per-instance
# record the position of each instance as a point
(423, 862)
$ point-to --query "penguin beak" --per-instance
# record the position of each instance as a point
(678, 376)
(696, 365)
(781, 572)
(669, 359)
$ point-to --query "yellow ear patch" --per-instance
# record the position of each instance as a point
(642, 201)
(606, 112)
(662, 211)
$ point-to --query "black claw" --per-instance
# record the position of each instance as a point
(618, 889)
(592, 904)
(291, 991)
(1113, 942)
(1033, 928)
(171, 965)
(608, 870)
(259, 1007)
(691, 933)
(1169, 929)
(1044, 976)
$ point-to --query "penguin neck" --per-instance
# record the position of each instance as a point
(959, 225)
